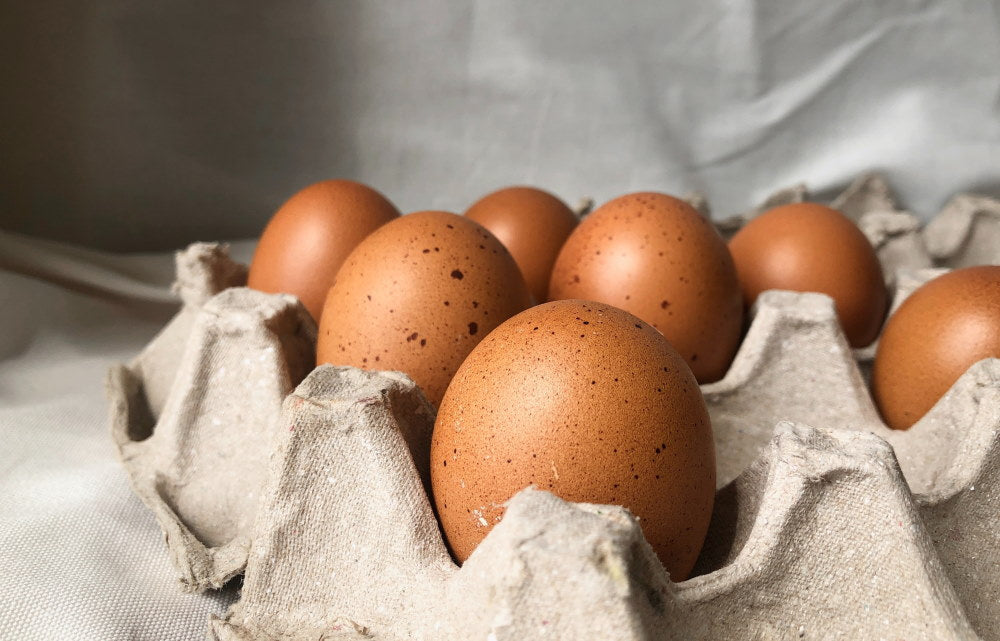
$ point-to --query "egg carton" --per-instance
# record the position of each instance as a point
(826, 523)
(192, 416)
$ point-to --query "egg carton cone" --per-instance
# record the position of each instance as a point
(192, 416)
(966, 232)
(827, 524)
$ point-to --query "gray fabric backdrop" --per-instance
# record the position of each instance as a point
(138, 125)
(147, 125)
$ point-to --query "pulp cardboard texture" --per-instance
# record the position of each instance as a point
(826, 524)
(184, 411)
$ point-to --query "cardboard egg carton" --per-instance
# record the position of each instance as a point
(826, 523)
(192, 416)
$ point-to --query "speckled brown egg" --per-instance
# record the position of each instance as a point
(309, 237)
(939, 332)
(586, 401)
(655, 256)
(807, 247)
(531, 223)
(417, 295)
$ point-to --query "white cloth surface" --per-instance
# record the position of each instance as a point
(80, 556)
(137, 126)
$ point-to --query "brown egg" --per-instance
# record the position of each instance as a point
(417, 295)
(655, 256)
(590, 403)
(532, 224)
(807, 247)
(938, 333)
(309, 237)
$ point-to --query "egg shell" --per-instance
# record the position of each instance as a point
(939, 332)
(532, 224)
(588, 402)
(417, 295)
(808, 247)
(655, 256)
(310, 236)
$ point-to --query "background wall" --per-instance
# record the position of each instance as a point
(137, 125)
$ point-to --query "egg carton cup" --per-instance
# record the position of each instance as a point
(192, 416)
(826, 523)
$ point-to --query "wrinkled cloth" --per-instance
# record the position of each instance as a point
(133, 126)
